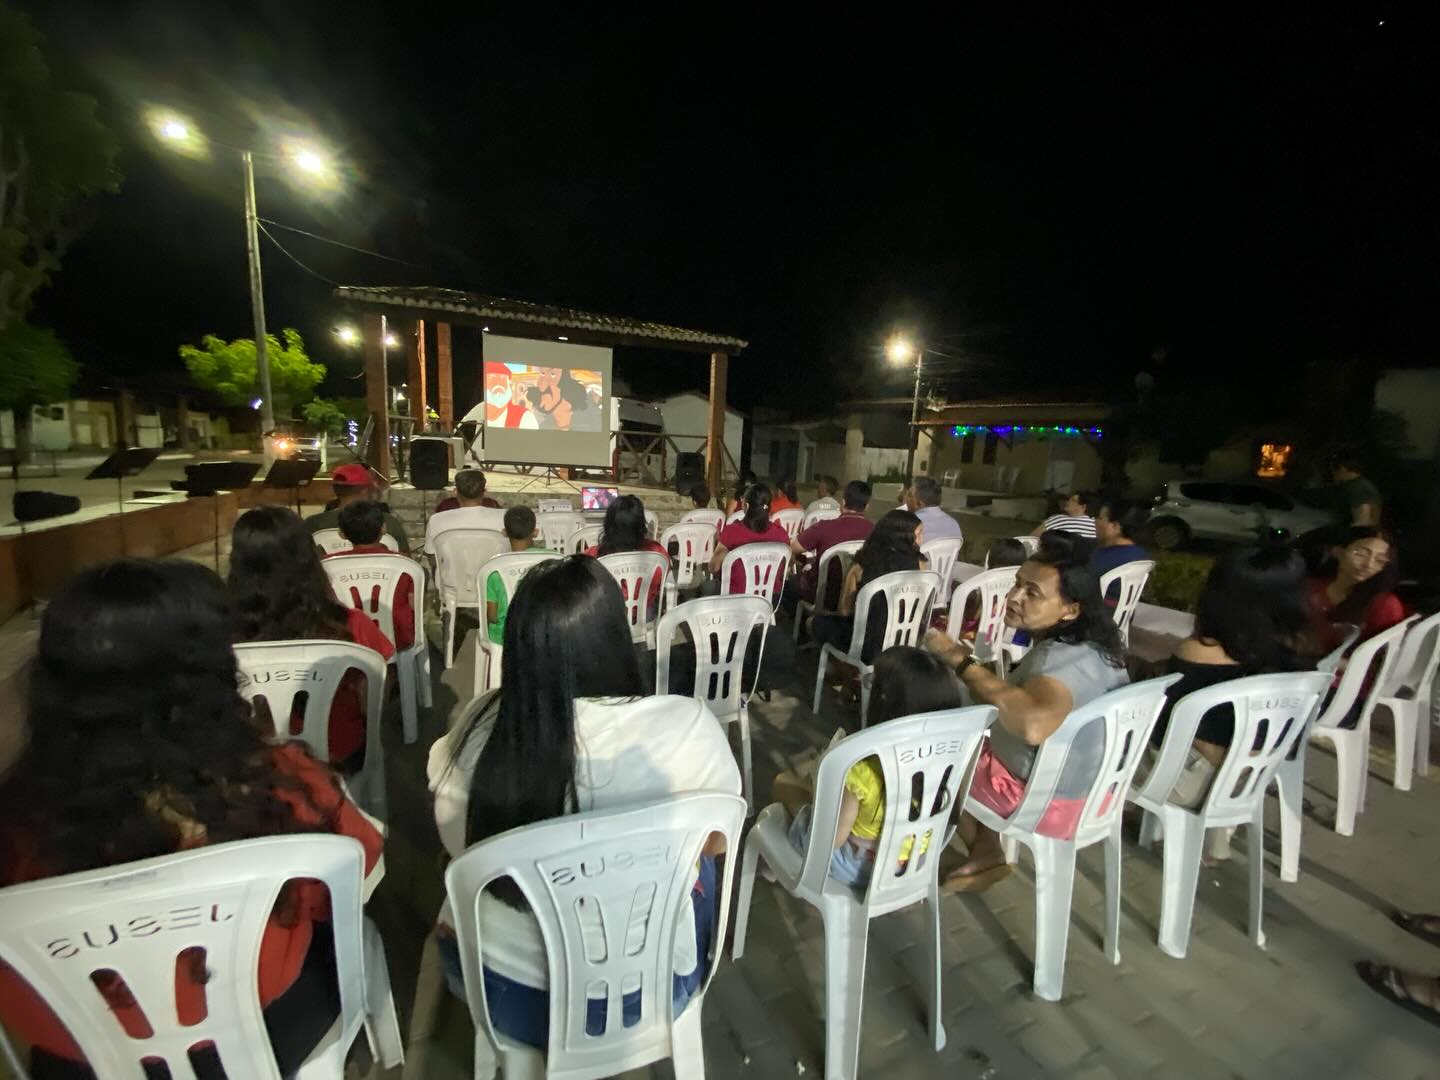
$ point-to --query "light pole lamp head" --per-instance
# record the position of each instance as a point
(899, 350)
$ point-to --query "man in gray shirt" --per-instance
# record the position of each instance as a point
(923, 499)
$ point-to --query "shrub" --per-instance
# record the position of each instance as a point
(1177, 579)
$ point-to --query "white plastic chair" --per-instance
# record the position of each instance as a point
(557, 526)
(690, 543)
(826, 509)
(993, 639)
(909, 596)
(789, 520)
(652, 524)
(1282, 704)
(763, 567)
(939, 750)
(842, 553)
(941, 556)
(511, 566)
(635, 572)
(1132, 577)
(734, 516)
(608, 889)
(276, 672)
(367, 583)
(217, 899)
(705, 516)
(459, 554)
(1031, 544)
(330, 541)
(1127, 715)
(583, 538)
(720, 628)
(1407, 697)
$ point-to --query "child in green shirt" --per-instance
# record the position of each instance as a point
(520, 531)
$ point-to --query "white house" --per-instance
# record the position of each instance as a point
(687, 417)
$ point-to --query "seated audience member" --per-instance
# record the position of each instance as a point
(893, 545)
(134, 665)
(1004, 551)
(923, 499)
(625, 530)
(474, 510)
(852, 524)
(1119, 524)
(754, 528)
(1361, 589)
(355, 483)
(700, 497)
(784, 497)
(568, 732)
(1075, 657)
(908, 682)
(520, 531)
(827, 488)
(466, 495)
(1074, 516)
(280, 592)
(361, 524)
(746, 481)
(1248, 621)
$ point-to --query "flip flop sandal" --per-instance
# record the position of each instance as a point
(1415, 924)
(977, 882)
(1385, 981)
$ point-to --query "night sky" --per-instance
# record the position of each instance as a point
(1054, 194)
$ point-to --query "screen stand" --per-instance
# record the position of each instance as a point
(551, 475)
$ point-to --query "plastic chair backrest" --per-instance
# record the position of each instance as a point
(1380, 652)
(1031, 544)
(512, 566)
(991, 587)
(635, 571)
(720, 630)
(691, 543)
(707, 516)
(909, 597)
(556, 527)
(1132, 577)
(459, 554)
(330, 541)
(789, 520)
(1271, 712)
(142, 922)
(941, 555)
(927, 761)
(583, 538)
(820, 510)
(763, 566)
(842, 553)
(609, 889)
(278, 672)
(652, 524)
(1330, 662)
(368, 582)
(737, 515)
(1128, 715)
(1417, 659)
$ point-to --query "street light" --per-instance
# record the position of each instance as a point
(899, 350)
(347, 335)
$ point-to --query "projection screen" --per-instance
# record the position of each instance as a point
(546, 402)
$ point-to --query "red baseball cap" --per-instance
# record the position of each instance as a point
(352, 476)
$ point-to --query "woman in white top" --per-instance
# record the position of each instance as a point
(568, 732)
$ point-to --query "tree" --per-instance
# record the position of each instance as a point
(54, 156)
(228, 368)
(35, 366)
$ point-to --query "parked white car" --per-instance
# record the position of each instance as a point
(1227, 511)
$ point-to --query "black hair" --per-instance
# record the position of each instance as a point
(1253, 606)
(700, 495)
(1356, 605)
(1005, 551)
(573, 391)
(624, 528)
(786, 487)
(470, 484)
(519, 523)
(909, 681)
(890, 546)
(534, 396)
(757, 508)
(277, 587)
(1094, 625)
(825, 486)
(1345, 457)
(857, 495)
(1084, 498)
(135, 725)
(1130, 516)
(927, 490)
(362, 522)
(566, 637)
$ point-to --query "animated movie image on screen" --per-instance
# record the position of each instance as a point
(527, 397)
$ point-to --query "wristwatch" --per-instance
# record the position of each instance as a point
(960, 667)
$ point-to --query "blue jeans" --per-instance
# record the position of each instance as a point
(849, 864)
(522, 1012)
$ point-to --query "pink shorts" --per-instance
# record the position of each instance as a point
(996, 787)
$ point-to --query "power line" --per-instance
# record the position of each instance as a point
(292, 258)
(341, 244)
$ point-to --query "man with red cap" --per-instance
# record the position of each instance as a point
(355, 483)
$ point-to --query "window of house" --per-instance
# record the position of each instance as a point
(1274, 460)
(967, 450)
(991, 442)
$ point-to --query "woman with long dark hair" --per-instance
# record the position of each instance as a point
(754, 528)
(280, 592)
(625, 530)
(1076, 656)
(1361, 590)
(141, 746)
(892, 546)
(567, 732)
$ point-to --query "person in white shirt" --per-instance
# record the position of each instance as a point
(474, 512)
(568, 732)
(1074, 517)
(923, 500)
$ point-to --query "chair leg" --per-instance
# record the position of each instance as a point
(427, 687)
(1404, 715)
(520, 1064)
(687, 1049)
(1113, 850)
(1255, 841)
(1151, 829)
(1290, 789)
(820, 678)
(864, 699)
(937, 967)
(1423, 723)
(746, 774)
(1350, 776)
(409, 707)
(449, 619)
(382, 1023)
(845, 946)
(1054, 885)
(1184, 845)
(748, 864)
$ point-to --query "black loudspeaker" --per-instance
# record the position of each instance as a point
(689, 471)
(39, 505)
(430, 462)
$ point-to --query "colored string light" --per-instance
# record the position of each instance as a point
(1006, 431)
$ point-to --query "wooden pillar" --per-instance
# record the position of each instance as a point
(125, 420)
(377, 392)
(444, 387)
(715, 434)
(415, 362)
(182, 422)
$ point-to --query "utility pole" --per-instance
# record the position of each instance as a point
(257, 304)
(914, 420)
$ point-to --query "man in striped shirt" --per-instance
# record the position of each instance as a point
(1074, 517)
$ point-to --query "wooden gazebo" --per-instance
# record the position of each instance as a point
(406, 309)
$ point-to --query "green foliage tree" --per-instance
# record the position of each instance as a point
(228, 369)
(35, 366)
(329, 415)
